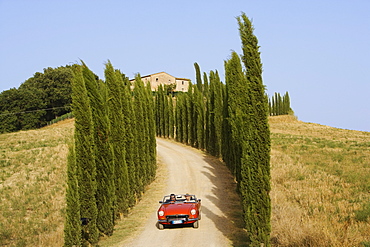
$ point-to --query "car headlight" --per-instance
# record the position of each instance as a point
(193, 211)
(161, 213)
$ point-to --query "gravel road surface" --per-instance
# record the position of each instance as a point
(192, 171)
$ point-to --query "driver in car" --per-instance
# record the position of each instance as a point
(172, 198)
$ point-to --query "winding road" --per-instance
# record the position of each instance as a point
(192, 171)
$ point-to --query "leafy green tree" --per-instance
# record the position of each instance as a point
(84, 152)
(55, 86)
(72, 225)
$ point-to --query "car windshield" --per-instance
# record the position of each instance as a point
(179, 199)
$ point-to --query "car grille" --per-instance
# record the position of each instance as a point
(177, 217)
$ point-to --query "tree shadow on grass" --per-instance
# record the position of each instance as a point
(225, 197)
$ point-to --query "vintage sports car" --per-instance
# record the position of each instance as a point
(179, 209)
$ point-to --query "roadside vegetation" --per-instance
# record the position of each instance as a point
(320, 191)
(320, 184)
(33, 185)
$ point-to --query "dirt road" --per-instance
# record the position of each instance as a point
(191, 171)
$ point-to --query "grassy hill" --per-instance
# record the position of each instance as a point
(32, 185)
(320, 185)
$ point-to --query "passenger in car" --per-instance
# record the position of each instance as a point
(187, 198)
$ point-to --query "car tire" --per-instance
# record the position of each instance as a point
(160, 226)
(196, 224)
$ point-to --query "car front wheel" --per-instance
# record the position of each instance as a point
(196, 224)
(160, 226)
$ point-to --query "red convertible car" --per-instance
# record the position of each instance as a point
(179, 209)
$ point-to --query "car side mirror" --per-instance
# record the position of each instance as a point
(160, 202)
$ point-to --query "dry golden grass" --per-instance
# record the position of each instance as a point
(32, 186)
(319, 182)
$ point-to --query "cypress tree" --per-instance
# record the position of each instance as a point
(128, 138)
(103, 153)
(198, 119)
(211, 107)
(160, 110)
(139, 105)
(179, 117)
(286, 102)
(115, 113)
(72, 225)
(185, 117)
(237, 115)
(84, 151)
(132, 153)
(255, 185)
(191, 119)
(198, 77)
(280, 105)
(171, 116)
(206, 111)
(151, 141)
(218, 107)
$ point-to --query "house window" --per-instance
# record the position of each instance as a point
(182, 82)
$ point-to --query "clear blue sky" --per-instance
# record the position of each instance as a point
(317, 50)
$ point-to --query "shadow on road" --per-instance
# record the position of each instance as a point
(227, 200)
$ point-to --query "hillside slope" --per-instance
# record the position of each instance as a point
(320, 186)
(32, 185)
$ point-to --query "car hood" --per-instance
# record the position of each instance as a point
(177, 208)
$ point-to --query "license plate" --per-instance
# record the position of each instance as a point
(177, 222)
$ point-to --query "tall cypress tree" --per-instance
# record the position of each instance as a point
(84, 151)
(115, 113)
(127, 113)
(255, 185)
(171, 116)
(72, 225)
(139, 109)
(103, 152)
(286, 102)
(179, 111)
(198, 118)
(237, 116)
(198, 77)
(206, 110)
(150, 125)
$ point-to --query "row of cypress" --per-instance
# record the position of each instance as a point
(229, 121)
(113, 155)
(280, 105)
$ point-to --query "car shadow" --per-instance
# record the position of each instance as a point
(225, 197)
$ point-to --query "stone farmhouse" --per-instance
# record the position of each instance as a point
(181, 84)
